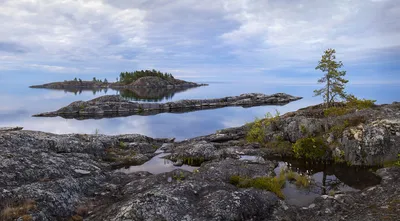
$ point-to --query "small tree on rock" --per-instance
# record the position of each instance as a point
(333, 78)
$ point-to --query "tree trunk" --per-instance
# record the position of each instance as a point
(328, 86)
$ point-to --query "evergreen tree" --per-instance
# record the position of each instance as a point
(105, 80)
(75, 79)
(94, 79)
(333, 78)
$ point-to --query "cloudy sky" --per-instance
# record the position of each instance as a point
(214, 40)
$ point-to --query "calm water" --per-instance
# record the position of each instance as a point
(19, 103)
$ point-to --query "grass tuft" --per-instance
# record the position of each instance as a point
(272, 184)
(13, 212)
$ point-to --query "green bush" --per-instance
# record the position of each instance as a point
(122, 145)
(351, 103)
(359, 104)
(257, 130)
(312, 148)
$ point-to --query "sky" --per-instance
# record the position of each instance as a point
(271, 41)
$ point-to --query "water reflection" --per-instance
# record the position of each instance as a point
(19, 103)
(151, 94)
(142, 94)
(326, 180)
(156, 165)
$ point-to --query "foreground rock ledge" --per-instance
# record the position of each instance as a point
(70, 176)
(114, 105)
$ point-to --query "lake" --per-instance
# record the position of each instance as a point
(19, 103)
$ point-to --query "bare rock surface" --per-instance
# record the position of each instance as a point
(113, 105)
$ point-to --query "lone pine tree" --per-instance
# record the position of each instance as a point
(333, 78)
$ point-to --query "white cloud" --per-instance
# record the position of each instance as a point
(191, 36)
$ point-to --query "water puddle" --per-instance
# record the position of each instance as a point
(157, 165)
(254, 159)
(325, 180)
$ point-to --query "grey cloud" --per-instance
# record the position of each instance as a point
(11, 47)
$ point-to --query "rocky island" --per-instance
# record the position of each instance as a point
(127, 80)
(114, 105)
(46, 176)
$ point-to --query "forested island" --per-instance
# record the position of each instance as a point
(126, 80)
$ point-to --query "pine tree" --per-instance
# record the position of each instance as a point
(333, 78)
(105, 80)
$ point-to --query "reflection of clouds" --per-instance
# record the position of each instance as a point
(17, 108)
(59, 125)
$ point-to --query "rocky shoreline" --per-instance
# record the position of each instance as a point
(114, 105)
(73, 176)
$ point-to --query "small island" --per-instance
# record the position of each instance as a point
(127, 80)
(117, 106)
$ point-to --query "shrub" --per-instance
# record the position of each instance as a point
(313, 148)
(257, 129)
(359, 104)
(256, 132)
(122, 145)
(351, 103)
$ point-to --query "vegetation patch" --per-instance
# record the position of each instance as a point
(179, 177)
(310, 148)
(272, 184)
(283, 147)
(76, 218)
(301, 180)
(393, 163)
(338, 130)
(257, 129)
(193, 161)
(12, 212)
(122, 145)
(352, 103)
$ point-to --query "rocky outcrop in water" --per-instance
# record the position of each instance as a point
(113, 105)
(73, 85)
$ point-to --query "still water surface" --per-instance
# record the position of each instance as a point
(19, 103)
